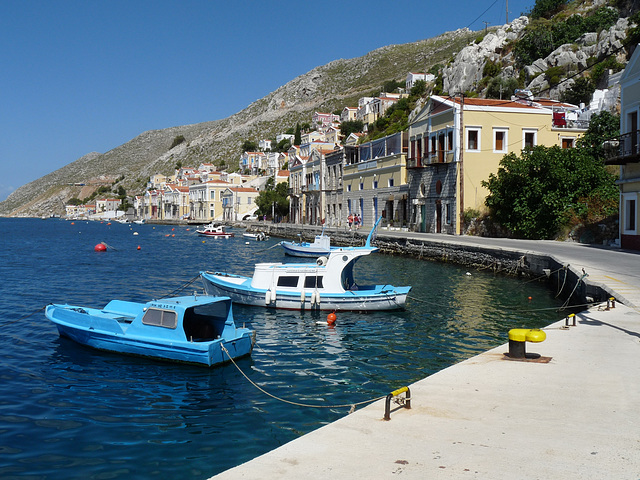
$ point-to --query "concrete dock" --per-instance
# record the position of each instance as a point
(573, 413)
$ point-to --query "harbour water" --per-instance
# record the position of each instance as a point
(70, 412)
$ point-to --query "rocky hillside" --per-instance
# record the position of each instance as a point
(463, 56)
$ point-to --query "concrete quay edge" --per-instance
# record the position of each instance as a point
(488, 417)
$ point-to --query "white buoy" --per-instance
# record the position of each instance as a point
(267, 297)
(135, 233)
(302, 297)
(318, 298)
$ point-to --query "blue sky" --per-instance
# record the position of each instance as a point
(84, 76)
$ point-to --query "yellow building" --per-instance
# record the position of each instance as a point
(455, 143)
(205, 200)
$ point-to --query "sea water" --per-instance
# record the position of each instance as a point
(67, 411)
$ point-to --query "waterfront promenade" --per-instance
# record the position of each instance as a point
(489, 417)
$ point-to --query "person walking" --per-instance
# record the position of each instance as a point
(350, 220)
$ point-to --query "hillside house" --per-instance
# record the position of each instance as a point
(349, 114)
(412, 78)
(319, 119)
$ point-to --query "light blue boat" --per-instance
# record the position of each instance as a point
(190, 329)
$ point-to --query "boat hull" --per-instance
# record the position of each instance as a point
(379, 297)
(298, 250)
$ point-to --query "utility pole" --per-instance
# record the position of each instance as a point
(507, 11)
(486, 24)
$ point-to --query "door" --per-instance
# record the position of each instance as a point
(438, 216)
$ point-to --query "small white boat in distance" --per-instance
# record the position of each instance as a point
(213, 230)
(326, 284)
(321, 245)
(257, 236)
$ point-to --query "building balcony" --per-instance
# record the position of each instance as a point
(623, 149)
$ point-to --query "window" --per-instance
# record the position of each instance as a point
(313, 282)
(361, 186)
(375, 184)
(390, 182)
(160, 318)
(630, 213)
(500, 140)
(287, 281)
(473, 139)
(213, 194)
(529, 138)
(447, 213)
(568, 142)
(349, 188)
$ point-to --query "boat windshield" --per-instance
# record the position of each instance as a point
(347, 280)
(206, 322)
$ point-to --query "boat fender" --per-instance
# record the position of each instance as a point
(321, 261)
(318, 298)
(302, 297)
(313, 298)
(267, 297)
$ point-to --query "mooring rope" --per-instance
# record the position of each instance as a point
(179, 289)
(298, 404)
(25, 317)
(272, 246)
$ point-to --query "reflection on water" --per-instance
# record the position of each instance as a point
(69, 411)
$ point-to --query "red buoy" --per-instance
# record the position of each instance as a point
(101, 247)
(138, 247)
(331, 318)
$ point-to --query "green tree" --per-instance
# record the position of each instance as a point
(177, 141)
(546, 8)
(249, 146)
(351, 126)
(531, 195)
(419, 88)
(602, 126)
(274, 198)
(579, 92)
(297, 139)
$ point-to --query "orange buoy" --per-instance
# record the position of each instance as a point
(172, 229)
(101, 247)
(529, 298)
(138, 247)
(331, 318)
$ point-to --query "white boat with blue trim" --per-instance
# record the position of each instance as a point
(189, 329)
(321, 245)
(326, 284)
